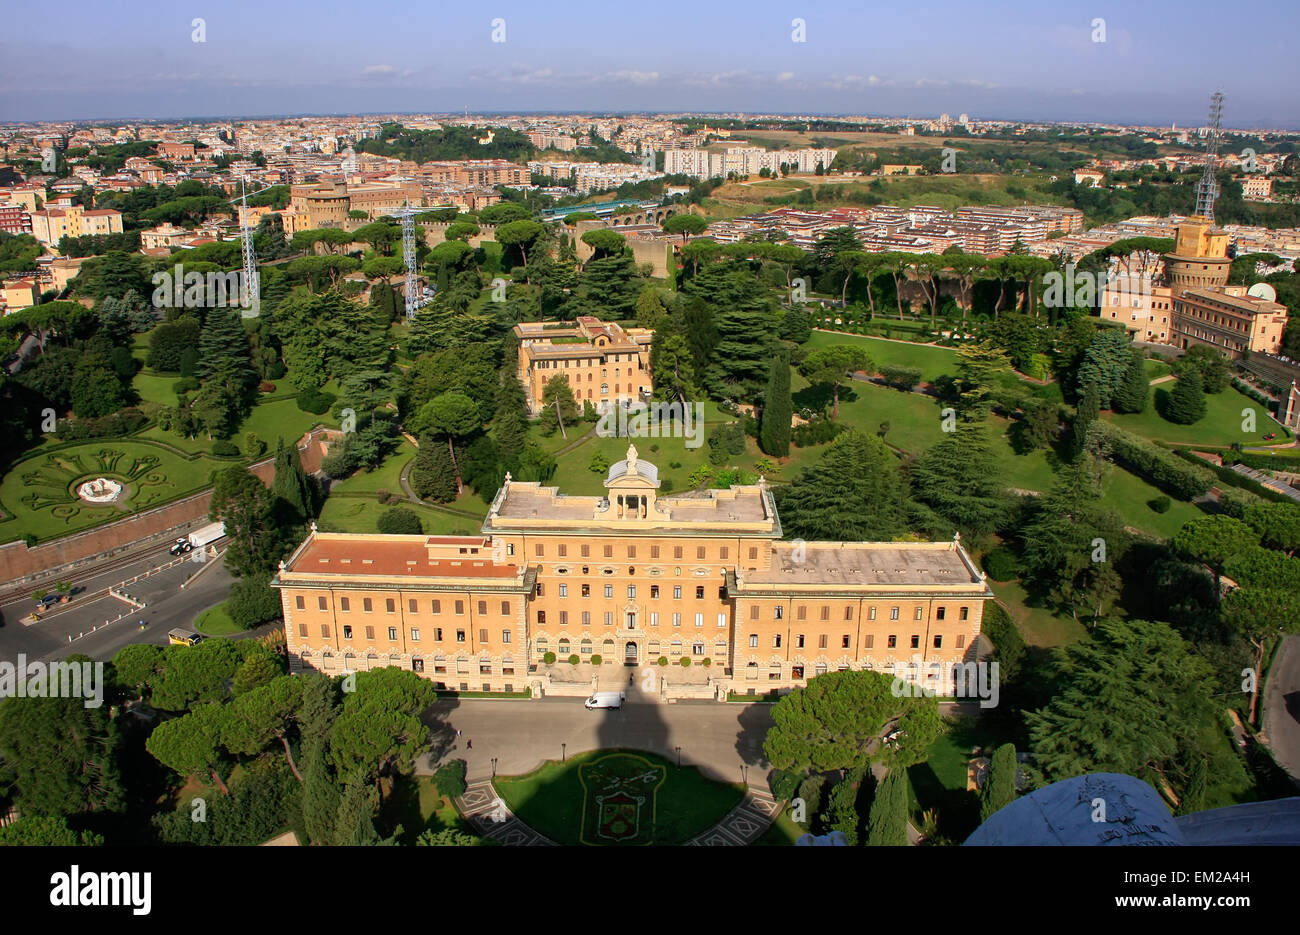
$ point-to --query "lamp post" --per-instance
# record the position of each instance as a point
(743, 781)
(562, 746)
(679, 757)
(494, 767)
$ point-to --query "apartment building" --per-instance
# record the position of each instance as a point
(1141, 304)
(15, 219)
(630, 577)
(744, 160)
(50, 225)
(1229, 319)
(603, 363)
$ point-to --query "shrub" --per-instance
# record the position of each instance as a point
(663, 660)
(1160, 504)
(224, 449)
(666, 485)
(252, 601)
(450, 778)
(399, 521)
(784, 784)
(185, 385)
(1160, 467)
(275, 371)
(706, 661)
(1001, 564)
(596, 659)
(266, 386)
(573, 659)
(674, 464)
(315, 401)
(548, 658)
(816, 432)
(686, 662)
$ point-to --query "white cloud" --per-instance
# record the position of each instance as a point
(378, 70)
(634, 77)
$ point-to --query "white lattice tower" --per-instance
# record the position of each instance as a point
(1207, 191)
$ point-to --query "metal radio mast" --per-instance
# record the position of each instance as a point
(407, 214)
(249, 289)
(1208, 189)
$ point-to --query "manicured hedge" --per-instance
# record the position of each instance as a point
(1160, 467)
(1234, 479)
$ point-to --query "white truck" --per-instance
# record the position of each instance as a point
(605, 700)
(200, 537)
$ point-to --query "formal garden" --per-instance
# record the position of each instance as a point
(604, 798)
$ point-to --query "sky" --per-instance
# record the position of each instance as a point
(1158, 63)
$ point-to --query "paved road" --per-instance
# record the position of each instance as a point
(1282, 707)
(168, 606)
(521, 734)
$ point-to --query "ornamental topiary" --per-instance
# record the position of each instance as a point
(596, 660)
(663, 660)
(686, 662)
(548, 658)
(573, 659)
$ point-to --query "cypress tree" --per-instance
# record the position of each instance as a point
(433, 476)
(774, 434)
(320, 794)
(510, 425)
(887, 824)
(1088, 412)
(222, 338)
(1133, 391)
(1000, 782)
(1187, 401)
(290, 496)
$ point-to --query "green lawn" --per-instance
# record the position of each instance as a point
(1156, 368)
(280, 418)
(939, 782)
(931, 361)
(558, 799)
(1130, 496)
(155, 388)
(416, 804)
(914, 420)
(215, 622)
(361, 514)
(1038, 625)
(38, 496)
(1220, 426)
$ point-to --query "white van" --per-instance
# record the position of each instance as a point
(605, 700)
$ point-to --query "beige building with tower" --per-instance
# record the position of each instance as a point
(603, 362)
(630, 578)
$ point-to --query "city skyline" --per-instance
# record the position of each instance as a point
(1001, 63)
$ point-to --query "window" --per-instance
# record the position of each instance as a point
(677, 551)
(539, 550)
(801, 612)
(370, 633)
(821, 641)
(586, 552)
(413, 606)
(848, 612)
(460, 636)
(482, 607)
(722, 621)
(961, 640)
(437, 607)
(366, 605)
(325, 630)
(963, 613)
(541, 619)
(916, 641)
(609, 618)
(347, 632)
(631, 590)
(631, 551)
(677, 592)
(918, 615)
(505, 608)
(564, 590)
(343, 605)
(654, 592)
(586, 618)
(540, 587)
(939, 613)
(482, 635)
(562, 549)
(390, 605)
(776, 641)
(699, 620)
(871, 641)
(320, 602)
(300, 603)
(723, 553)
(460, 605)
(699, 593)
(437, 634)
(844, 641)
(654, 619)
(871, 613)
(609, 590)
(654, 551)
(677, 620)
(564, 618)
(798, 641)
(753, 553)
(778, 611)
(586, 590)
(510, 548)
(697, 649)
(938, 641)
(415, 633)
(609, 551)
(892, 642)
(302, 628)
(893, 613)
(699, 552)
(392, 633)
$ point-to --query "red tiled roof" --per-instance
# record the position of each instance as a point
(396, 558)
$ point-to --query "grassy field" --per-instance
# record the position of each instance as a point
(931, 361)
(38, 495)
(1038, 625)
(1222, 424)
(939, 782)
(215, 622)
(914, 420)
(557, 799)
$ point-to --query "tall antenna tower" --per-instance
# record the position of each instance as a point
(407, 214)
(249, 289)
(1208, 189)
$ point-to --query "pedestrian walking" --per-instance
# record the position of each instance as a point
(457, 733)
(469, 745)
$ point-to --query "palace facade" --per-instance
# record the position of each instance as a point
(632, 578)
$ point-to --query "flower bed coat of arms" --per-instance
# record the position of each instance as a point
(619, 799)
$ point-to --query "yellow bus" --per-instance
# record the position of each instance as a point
(179, 637)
